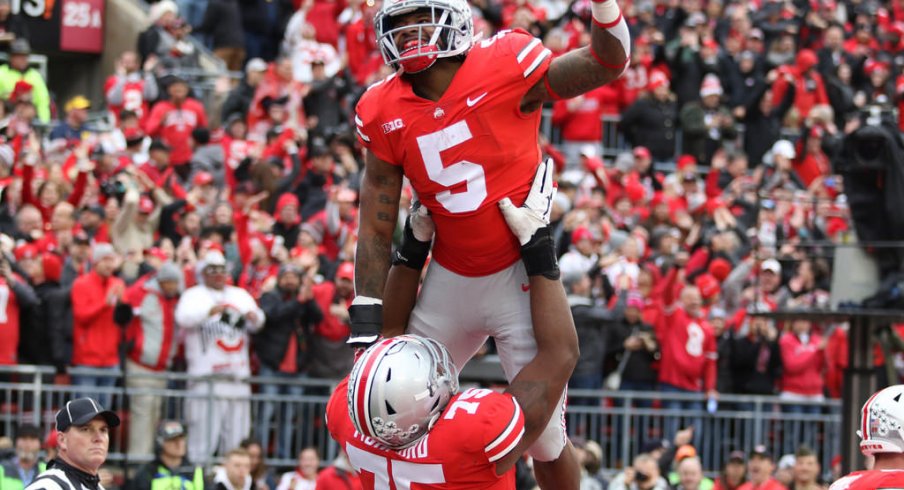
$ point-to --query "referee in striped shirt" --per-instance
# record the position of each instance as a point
(83, 433)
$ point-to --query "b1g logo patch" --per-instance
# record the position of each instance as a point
(393, 125)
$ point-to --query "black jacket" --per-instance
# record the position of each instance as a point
(763, 129)
(286, 317)
(593, 325)
(753, 374)
(651, 123)
(223, 21)
(639, 366)
(239, 100)
(34, 317)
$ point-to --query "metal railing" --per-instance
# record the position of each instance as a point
(622, 422)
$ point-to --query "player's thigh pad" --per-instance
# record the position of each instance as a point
(447, 310)
(512, 328)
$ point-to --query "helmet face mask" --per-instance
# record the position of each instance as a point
(882, 422)
(444, 28)
(399, 388)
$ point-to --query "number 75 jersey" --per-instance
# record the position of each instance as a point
(478, 428)
(466, 151)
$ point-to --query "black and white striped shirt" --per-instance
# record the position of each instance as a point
(63, 476)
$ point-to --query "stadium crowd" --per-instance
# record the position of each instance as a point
(118, 242)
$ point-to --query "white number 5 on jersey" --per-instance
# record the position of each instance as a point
(463, 171)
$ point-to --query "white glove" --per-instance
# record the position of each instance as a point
(421, 223)
(534, 213)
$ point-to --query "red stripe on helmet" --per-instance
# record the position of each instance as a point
(362, 387)
(864, 417)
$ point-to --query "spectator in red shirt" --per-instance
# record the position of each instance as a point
(95, 335)
(688, 353)
(130, 89)
(579, 119)
(807, 83)
(803, 358)
(803, 361)
(330, 357)
(173, 121)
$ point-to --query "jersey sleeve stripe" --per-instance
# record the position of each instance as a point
(527, 49)
(358, 121)
(539, 59)
(510, 438)
(501, 454)
(362, 135)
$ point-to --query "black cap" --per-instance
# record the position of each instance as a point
(761, 451)
(736, 457)
(159, 145)
(318, 150)
(96, 209)
(80, 411)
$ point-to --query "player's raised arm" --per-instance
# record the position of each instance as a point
(381, 188)
(538, 387)
(586, 68)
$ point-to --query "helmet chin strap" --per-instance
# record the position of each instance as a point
(427, 53)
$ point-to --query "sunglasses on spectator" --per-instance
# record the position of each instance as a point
(215, 269)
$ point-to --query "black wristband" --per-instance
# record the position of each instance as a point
(411, 252)
(366, 322)
(539, 255)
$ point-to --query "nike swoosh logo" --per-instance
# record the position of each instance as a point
(472, 102)
(525, 287)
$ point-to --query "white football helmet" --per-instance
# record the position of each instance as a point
(882, 422)
(450, 30)
(399, 387)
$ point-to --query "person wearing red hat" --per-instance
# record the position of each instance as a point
(583, 253)
(46, 321)
(650, 122)
(807, 84)
(287, 219)
(135, 228)
(330, 357)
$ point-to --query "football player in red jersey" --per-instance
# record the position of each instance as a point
(881, 436)
(460, 120)
(399, 416)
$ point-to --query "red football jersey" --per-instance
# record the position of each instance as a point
(466, 151)
(871, 480)
(478, 428)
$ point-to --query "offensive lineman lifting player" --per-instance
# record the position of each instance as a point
(460, 121)
(399, 415)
